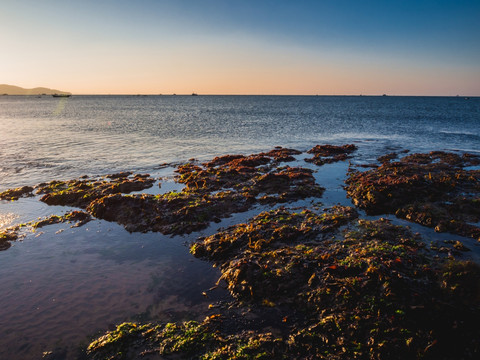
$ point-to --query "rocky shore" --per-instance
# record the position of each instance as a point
(308, 282)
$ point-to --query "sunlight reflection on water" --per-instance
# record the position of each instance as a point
(6, 219)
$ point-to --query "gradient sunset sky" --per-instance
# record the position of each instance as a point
(242, 47)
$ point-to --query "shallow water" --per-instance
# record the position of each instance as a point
(60, 286)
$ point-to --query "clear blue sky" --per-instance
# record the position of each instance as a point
(244, 47)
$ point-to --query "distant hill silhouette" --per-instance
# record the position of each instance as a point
(17, 90)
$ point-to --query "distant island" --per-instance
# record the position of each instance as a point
(17, 90)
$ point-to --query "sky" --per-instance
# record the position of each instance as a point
(298, 47)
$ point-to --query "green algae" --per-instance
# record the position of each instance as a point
(191, 339)
(119, 343)
(186, 338)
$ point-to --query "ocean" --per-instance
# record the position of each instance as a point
(49, 138)
(60, 286)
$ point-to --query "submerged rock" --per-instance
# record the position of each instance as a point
(387, 157)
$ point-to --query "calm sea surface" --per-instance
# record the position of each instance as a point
(45, 138)
(60, 286)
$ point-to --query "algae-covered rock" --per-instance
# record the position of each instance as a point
(332, 287)
(80, 193)
(79, 218)
(171, 213)
(327, 154)
(216, 189)
(15, 194)
(369, 291)
(6, 237)
(187, 340)
(431, 189)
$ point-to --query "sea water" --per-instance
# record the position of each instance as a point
(42, 138)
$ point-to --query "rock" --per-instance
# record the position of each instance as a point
(15, 194)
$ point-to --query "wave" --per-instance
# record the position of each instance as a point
(460, 133)
(463, 150)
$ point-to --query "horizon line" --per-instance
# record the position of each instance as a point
(208, 94)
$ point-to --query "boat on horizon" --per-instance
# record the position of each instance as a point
(61, 95)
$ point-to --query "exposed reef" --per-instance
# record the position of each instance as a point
(435, 190)
(78, 218)
(213, 190)
(327, 154)
(319, 286)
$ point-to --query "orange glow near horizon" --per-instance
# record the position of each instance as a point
(248, 69)
(265, 74)
(231, 62)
